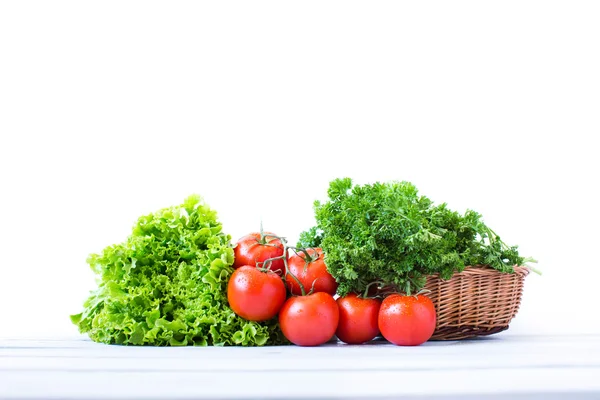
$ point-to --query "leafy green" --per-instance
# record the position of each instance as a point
(311, 238)
(388, 232)
(167, 284)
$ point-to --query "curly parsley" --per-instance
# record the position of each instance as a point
(388, 232)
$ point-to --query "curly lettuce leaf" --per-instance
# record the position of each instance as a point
(166, 285)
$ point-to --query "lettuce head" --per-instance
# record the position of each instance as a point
(167, 285)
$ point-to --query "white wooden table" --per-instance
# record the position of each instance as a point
(498, 367)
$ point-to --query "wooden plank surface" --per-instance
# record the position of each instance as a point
(503, 366)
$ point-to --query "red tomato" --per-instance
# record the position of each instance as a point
(358, 319)
(309, 320)
(255, 295)
(407, 320)
(308, 271)
(255, 247)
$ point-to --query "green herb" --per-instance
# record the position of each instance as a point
(387, 232)
(311, 238)
(167, 284)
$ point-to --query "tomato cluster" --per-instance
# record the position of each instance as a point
(266, 271)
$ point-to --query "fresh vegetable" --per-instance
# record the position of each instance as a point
(167, 285)
(255, 294)
(388, 232)
(407, 320)
(358, 319)
(308, 266)
(309, 320)
(311, 238)
(257, 248)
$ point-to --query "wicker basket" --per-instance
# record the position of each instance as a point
(479, 301)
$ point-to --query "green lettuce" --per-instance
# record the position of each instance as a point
(167, 285)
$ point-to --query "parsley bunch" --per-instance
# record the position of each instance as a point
(389, 233)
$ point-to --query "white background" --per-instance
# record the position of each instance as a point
(110, 110)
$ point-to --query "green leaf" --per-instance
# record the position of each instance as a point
(166, 285)
(76, 318)
(388, 232)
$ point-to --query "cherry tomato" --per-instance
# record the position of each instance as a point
(255, 247)
(309, 320)
(358, 319)
(407, 320)
(254, 294)
(309, 270)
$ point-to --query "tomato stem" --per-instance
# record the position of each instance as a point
(308, 258)
(388, 289)
(264, 237)
(312, 289)
(264, 265)
(286, 249)
(379, 284)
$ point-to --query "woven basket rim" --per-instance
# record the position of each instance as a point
(487, 270)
